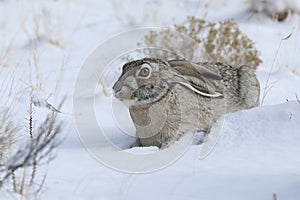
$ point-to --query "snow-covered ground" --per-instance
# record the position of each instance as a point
(257, 153)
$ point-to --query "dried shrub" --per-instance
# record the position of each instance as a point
(170, 45)
(24, 156)
(222, 41)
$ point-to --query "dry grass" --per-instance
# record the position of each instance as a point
(7, 130)
(27, 146)
(269, 86)
(46, 25)
(8, 127)
(7, 43)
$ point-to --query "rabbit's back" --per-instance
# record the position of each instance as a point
(239, 85)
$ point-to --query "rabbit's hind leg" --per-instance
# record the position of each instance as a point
(249, 87)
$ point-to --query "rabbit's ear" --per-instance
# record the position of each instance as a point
(195, 77)
(197, 85)
(192, 69)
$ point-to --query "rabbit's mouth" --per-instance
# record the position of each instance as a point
(124, 93)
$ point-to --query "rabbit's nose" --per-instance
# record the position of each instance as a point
(117, 87)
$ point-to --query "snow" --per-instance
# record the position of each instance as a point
(257, 152)
(252, 161)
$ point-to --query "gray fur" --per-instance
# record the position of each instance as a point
(179, 97)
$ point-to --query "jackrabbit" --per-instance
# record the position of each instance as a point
(170, 98)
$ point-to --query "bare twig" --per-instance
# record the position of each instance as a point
(30, 118)
(266, 89)
(297, 98)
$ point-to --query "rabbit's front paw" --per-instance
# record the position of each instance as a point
(137, 143)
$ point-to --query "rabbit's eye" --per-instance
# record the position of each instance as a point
(145, 71)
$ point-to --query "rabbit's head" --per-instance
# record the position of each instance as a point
(148, 80)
